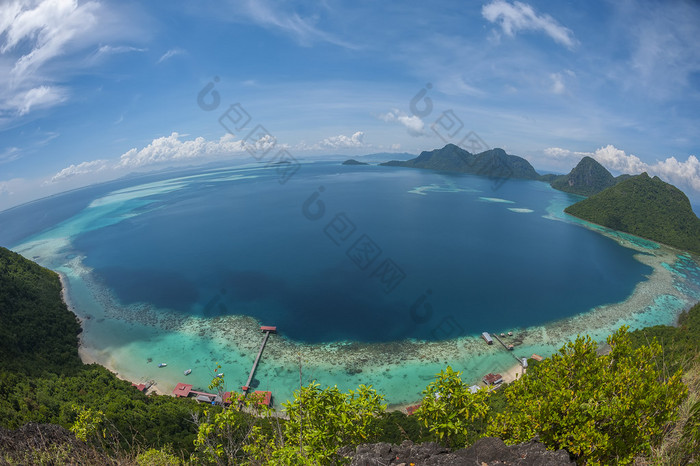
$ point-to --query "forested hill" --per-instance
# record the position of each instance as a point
(587, 178)
(646, 207)
(43, 380)
(37, 331)
(494, 163)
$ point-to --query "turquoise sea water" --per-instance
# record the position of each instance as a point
(372, 274)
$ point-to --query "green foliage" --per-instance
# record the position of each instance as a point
(42, 378)
(681, 344)
(449, 410)
(222, 434)
(602, 409)
(326, 419)
(87, 423)
(395, 426)
(153, 457)
(645, 207)
(321, 421)
(691, 429)
(37, 331)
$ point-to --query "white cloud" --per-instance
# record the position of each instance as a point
(167, 150)
(558, 86)
(169, 54)
(413, 124)
(111, 50)
(47, 27)
(38, 97)
(172, 149)
(617, 160)
(10, 154)
(679, 173)
(107, 50)
(520, 16)
(559, 153)
(682, 174)
(303, 29)
(80, 169)
(343, 142)
(40, 45)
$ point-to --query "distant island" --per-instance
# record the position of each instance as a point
(354, 162)
(640, 205)
(587, 178)
(646, 207)
(493, 163)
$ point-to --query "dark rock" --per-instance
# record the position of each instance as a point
(485, 452)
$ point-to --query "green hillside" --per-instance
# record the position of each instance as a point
(587, 178)
(43, 380)
(646, 207)
(37, 332)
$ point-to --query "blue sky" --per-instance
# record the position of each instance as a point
(90, 91)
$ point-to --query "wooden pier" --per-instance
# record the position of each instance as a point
(507, 347)
(267, 330)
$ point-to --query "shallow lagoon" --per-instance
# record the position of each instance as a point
(373, 275)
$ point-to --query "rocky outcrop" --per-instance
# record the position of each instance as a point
(485, 452)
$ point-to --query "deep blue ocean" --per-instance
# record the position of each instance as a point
(359, 253)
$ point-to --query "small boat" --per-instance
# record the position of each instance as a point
(188, 371)
(220, 374)
(510, 334)
(503, 334)
(162, 364)
(510, 347)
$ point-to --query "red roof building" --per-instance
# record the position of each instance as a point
(182, 390)
(265, 397)
(268, 328)
(140, 387)
(492, 379)
(412, 409)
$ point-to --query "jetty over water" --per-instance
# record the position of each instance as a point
(184, 390)
(509, 347)
(267, 330)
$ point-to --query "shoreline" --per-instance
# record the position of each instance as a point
(86, 356)
(339, 358)
(510, 375)
(126, 339)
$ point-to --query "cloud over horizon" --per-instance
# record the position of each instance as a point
(175, 150)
